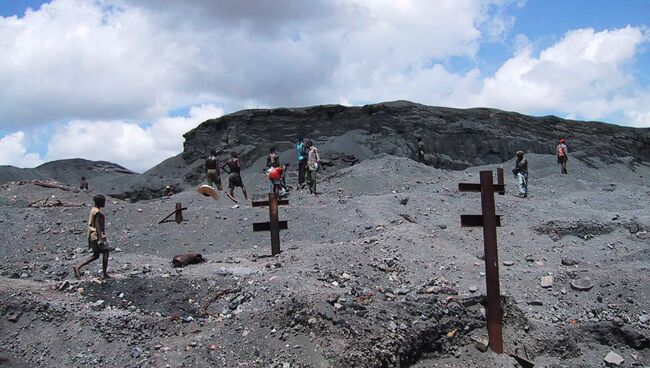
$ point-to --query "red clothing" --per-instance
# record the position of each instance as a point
(275, 173)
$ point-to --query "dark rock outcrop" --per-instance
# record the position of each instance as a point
(455, 138)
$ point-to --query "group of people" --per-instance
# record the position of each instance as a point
(521, 166)
(232, 167)
(309, 162)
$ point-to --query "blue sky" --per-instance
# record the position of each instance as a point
(137, 74)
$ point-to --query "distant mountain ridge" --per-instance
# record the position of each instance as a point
(67, 171)
(454, 139)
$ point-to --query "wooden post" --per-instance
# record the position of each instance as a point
(179, 213)
(275, 227)
(494, 313)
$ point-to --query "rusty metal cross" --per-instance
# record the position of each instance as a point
(178, 212)
(489, 220)
(273, 224)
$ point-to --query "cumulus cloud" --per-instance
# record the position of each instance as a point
(586, 74)
(127, 143)
(13, 151)
(106, 71)
(122, 59)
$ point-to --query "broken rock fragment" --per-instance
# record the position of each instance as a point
(183, 260)
(614, 359)
(546, 281)
(582, 284)
(481, 343)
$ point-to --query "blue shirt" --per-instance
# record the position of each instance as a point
(301, 151)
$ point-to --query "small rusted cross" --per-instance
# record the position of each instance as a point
(489, 220)
(273, 225)
(178, 212)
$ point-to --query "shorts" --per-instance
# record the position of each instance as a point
(214, 179)
(97, 247)
(234, 180)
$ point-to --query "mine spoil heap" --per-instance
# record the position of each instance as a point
(376, 271)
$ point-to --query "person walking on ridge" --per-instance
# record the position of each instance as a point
(212, 172)
(313, 163)
(562, 155)
(420, 150)
(96, 237)
(302, 162)
(234, 178)
(521, 172)
(272, 160)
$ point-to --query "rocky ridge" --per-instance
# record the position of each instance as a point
(455, 139)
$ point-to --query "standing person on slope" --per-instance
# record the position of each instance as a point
(302, 162)
(96, 237)
(562, 155)
(313, 163)
(521, 172)
(420, 150)
(212, 170)
(234, 178)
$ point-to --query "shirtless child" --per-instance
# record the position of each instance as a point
(96, 237)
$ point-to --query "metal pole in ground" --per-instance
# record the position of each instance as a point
(494, 312)
(501, 179)
(275, 226)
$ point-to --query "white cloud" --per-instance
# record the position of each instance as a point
(13, 151)
(126, 143)
(100, 71)
(586, 74)
(122, 59)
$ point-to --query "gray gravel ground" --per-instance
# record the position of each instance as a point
(357, 285)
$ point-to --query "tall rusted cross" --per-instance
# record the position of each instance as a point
(178, 212)
(489, 220)
(273, 225)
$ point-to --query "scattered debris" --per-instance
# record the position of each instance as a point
(183, 260)
(569, 262)
(613, 358)
(14, 317)
(481, 343)
(546, 281)
(582, 284)
(408, 218)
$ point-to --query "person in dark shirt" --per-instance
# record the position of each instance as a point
(420, 150)
(521, 172)
(233, 168)
(562, 155)
(302, 162)
(84, 183)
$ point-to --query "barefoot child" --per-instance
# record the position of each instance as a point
(96, 236)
